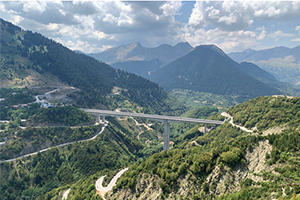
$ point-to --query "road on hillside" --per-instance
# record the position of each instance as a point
(225, 114)
(102, 129)
(112, 183)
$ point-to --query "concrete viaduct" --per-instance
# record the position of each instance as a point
(161, 118)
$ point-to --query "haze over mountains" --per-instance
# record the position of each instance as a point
(141, 60)
(136, 52)
(208, 69)
(281, 62)
(162, 65)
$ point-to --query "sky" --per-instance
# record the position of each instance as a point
(94, 26)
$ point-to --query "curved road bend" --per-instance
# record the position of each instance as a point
(225, 114)
(103, 190)
(102, 129)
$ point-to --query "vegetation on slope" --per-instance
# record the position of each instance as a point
(15, 96)
(67, 115)
(30, 140)
(267, 112)
(192, 99)
(226, 146)
(94, 79)
(35, 175)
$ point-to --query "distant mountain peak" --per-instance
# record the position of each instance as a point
(248, 50)
(136, 52)
(212, 47)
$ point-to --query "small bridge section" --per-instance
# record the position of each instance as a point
(161, 118)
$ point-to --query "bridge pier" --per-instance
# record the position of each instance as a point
(166, 135)
(204, 128)
(100, 118)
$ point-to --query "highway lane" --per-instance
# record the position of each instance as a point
(162, 118)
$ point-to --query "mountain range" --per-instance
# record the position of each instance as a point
(141, 60)
(136, 52)
(208, 69)
(281, 62)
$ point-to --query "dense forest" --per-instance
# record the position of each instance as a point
(68, 116)
(266, 112)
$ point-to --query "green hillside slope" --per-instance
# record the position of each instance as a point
(257, 72)
(32, 176)
(208, 69)
(226, 163)
(22, 51)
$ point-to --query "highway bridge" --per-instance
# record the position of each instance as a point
(161, 118)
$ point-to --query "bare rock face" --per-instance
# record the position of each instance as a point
(220, 180)
(256, 159)
(147, 188)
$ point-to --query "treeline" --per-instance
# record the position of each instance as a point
(15, 96)
(267, 112)
(67, 115)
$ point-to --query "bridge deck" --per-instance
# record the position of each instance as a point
(162, 118)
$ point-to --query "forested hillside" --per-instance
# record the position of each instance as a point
(23, 50)
(35, 175)
(226, 163)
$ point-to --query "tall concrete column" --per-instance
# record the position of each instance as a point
(103, 119)
(204, 128)
(166, 135)
(98, 118)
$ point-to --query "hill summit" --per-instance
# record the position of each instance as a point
(136, 52)
(208, 69)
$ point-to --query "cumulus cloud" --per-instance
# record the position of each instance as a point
(92, 26)
(106, 22)
(238, 15)
(298, 29)
(278, 34)
(227, 41)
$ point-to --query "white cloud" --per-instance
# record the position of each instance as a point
(298, 29)
(100, 24)
(238, 15)
(295, 40)
(227, 41)
(30, 6)
(262, 35)
(279, 33)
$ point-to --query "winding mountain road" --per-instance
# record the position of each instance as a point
(103, 190)
(225, 114)
(102, 129)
